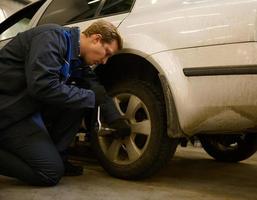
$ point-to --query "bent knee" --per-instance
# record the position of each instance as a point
(50, 176)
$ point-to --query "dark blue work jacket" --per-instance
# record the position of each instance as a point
(33, 69)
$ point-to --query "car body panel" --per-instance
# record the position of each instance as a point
(212, 103)
(191, 33)
(40, 12)
(192, 23)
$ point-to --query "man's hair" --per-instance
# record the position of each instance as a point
(108, 31)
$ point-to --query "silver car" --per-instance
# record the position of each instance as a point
(188, 71)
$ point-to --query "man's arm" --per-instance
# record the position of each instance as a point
(86, 78)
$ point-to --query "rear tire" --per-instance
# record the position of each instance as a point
(230, 148)
(148, 148)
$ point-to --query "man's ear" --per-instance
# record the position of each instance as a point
(97, 38)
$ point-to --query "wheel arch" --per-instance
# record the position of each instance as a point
(139, 66)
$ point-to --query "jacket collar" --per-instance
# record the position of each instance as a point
(75, 43)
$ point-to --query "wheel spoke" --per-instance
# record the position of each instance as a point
(113, 150)
(117, 104)
(133, 105)
(143, 127)
(133, 136)
(133, 151)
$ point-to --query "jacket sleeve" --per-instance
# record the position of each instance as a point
(86, 78)
(42, 69)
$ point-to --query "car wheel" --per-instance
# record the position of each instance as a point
(230, 148)
(148, 147)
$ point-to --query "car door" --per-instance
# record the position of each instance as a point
(83, 12)
(69, 12)
(18, 22)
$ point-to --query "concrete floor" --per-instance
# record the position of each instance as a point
(192, 174)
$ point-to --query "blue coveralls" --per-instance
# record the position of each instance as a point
(33, 93)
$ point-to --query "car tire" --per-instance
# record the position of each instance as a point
(148, 147)
(230, 148)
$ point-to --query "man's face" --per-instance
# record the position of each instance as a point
(98, 52)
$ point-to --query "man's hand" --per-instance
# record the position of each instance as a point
(122, 128)
(100, 94)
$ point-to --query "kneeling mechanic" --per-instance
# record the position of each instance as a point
(40, 112)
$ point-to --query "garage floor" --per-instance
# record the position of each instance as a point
(190, 175)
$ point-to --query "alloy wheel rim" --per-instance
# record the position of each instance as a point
(124, 151)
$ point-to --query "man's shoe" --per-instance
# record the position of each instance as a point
(72, 170)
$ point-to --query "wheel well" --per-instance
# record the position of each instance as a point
(130, 66)
(127, 66)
